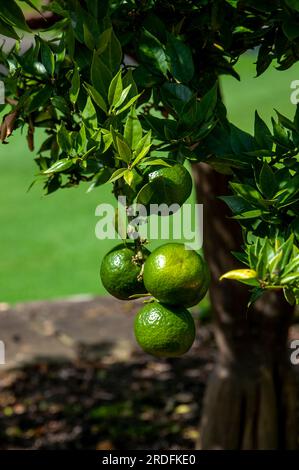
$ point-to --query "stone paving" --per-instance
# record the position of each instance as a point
(66, 329)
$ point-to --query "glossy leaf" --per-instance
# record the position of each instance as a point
(63, 138)
(152, 51)
(124, 150)
(115, 89)
(61, 165)
(101, 76)
(97, 98)
(89, 114)
(47, 57)
(128, 104)
(12, 14)
(267, 181)
(179, 58)
(133, 129)
(75, 86)
(117, 175)
(262, 133)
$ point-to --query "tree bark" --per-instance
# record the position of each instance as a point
(250, 400)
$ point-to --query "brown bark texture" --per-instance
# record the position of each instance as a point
(250, 400)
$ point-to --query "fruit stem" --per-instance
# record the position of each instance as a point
(137, 239)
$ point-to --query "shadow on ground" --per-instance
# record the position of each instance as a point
(105, 403)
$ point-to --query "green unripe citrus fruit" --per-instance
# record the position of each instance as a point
(167, 185)
(176, 276)
(120, 271)
(163, 330)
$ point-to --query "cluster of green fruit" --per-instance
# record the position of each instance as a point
(176, 277)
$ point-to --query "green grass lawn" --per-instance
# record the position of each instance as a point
(48, 245)
(264, 94)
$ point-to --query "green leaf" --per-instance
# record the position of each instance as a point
(75, 86)
(128, 104)
(123, 96)
(60, 103)
(236, 204)
(115, 89)
(100, 178)
(280, 135)
(89, 152)
(152, 51)
(291, 266)
(158, 125)
(63, 138)
(97, 98)
(267, 181)
(289, 296)
(242, 257)
(248, 193)
(294, 4)
(248, 215)
(89, 37)
(241, 141)
(290, 278)
(112, 54)
(100, 75)
(155, 162)
(70, 40)
(117, 175)
(133, 129)
(89, 114)
(12, 14)
(128, 177)
(261, 133)
(143, 143)
(141, 155)
(287, 249)
(81, 140)
(256, 294)
(290, 28)
(179, 57)
(208, 103)
(48, 59)
(285, 122)
(124, 150)
(104, 40)
(60, 165)
(194, 113)
(40, 98)
(275, 263)
(264, 59)
(262, 263)
(7, 30)
(175, 95)
(129, 80)
(107, 139)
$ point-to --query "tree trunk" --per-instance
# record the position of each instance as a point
(250, 400)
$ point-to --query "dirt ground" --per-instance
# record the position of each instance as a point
(74, 378)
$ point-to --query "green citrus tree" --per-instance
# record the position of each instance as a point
(128, 91)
